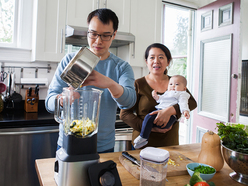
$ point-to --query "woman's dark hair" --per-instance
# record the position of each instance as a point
(163, 48)
(105, 16)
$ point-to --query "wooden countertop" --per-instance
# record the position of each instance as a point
(44, 168)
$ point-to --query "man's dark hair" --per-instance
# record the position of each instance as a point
(105, 16)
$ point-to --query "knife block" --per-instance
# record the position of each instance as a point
(31, 102)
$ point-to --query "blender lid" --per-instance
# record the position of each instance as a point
(154, 154)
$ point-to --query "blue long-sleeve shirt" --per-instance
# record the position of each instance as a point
(114, 68)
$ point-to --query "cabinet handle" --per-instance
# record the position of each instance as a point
(61, 44)
(133, 53)
(97, 4)
(105, 4)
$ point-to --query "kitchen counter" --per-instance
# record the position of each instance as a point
(16, 118)
(45, 168)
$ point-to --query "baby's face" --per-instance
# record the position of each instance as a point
(176, 84)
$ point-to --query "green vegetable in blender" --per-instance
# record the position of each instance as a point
(233, 136)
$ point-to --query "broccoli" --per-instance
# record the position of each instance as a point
(195, 178)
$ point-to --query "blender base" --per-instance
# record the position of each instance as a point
(73, 173)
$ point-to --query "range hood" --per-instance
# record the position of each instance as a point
(77, 36)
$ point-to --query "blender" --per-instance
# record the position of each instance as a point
(79, 117)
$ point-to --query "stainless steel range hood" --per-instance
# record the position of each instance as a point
(77, 36)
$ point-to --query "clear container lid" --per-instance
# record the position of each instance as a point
(154, 154)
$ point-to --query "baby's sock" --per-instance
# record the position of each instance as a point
(139, 139)
(139, 145)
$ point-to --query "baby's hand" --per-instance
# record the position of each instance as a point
(186, 114)
(155, 95)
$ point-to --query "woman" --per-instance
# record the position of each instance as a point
(158, 58)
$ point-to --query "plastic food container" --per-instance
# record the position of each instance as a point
(153, 168)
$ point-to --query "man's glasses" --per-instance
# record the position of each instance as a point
(103, 37)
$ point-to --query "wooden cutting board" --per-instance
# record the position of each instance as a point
(172, 170)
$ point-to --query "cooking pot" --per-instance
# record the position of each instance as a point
(80, 67)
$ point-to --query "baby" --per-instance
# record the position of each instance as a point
(175, 94)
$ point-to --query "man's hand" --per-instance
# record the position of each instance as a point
(98, 80)
(73, 95)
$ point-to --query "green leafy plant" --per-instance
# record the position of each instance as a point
(233, 136)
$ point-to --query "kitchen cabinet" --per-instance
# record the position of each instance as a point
(48, 30)
(146, 25)
(77, 11)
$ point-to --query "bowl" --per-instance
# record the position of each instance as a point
(238, 162)
(205, 177)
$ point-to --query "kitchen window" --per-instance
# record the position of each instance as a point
(16, 19)
(178, 27)
(8, 22)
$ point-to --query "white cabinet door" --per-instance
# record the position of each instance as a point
(49, 30)
(146, 16)
(122, 10)
(77, 11)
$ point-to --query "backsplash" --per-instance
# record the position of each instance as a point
(42, 74)
(30, 73)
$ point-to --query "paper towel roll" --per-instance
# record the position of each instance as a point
(34, 81)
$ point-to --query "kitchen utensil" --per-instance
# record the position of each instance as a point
(3, 76)
(153, 168)
(79, 117)
(238, 162)
(31, 101)
(37, 90)
(131, 158)
(190, 167)
(7, 99)
(2, 87)
(29, 91)
(80, 67)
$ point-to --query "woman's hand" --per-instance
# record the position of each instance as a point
(156, 129)
(163, 116)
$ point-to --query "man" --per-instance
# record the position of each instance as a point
(112, 75)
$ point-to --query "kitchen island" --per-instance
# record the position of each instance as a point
(45, 168)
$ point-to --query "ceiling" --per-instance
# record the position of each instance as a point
(191, 3)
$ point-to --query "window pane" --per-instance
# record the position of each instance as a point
(176, 22)
(175, 37)
(7, 9)
(179, 66)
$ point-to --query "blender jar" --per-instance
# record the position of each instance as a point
(153, 168)
(80, 112)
